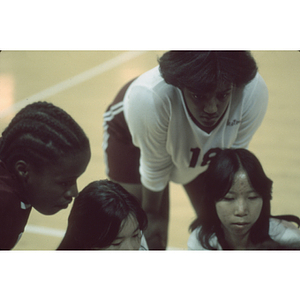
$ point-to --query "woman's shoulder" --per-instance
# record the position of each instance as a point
(193, 241)
(254, 95)
(257, 84)
(195, 244)
(144, 245)
(283, 231)
(150, 98)
(150, 85)
(280, 223)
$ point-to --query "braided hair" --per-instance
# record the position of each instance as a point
(41, 133)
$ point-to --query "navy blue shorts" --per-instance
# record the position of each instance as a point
(122, 158)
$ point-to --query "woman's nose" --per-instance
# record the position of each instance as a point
(73, 191)
(210, 107)
(130, 244)
(241, 208)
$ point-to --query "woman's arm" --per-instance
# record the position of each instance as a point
(156, 206)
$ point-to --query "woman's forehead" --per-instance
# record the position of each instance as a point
(128, 226)
(217, 87)
(241, 180)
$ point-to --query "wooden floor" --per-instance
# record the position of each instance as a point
(85, 82)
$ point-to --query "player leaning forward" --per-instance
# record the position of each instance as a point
(165, 125)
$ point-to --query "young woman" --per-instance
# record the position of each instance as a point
(164, 125)
(235, 211)
(105, 216)
(42, 153)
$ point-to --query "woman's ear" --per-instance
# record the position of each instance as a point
(22, 168)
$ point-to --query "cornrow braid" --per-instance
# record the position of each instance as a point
(41, 132)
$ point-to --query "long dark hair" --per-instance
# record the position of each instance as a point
(201, 71)
(97, 215)
(218, 180)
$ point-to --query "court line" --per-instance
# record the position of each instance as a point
(44, 230)
(71, 82)
(55, 89)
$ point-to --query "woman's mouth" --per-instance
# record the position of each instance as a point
(209, 120)
(240, 225)
(64, 205)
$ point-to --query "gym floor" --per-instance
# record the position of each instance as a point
(85, 82)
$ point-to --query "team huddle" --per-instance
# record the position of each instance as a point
(190, 121)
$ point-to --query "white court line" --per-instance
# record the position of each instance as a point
(71, 82)
(55, 89)
(64, 85)
(44, 230)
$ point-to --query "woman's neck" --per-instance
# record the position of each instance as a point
(241, 242)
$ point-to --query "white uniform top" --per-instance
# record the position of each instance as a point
(168, 138)
(144, 245)
(280, 231)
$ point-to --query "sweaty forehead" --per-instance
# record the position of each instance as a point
(241, 181)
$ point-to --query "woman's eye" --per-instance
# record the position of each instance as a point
(116, 244)
(67, 183)
(253, 197)
(197, 97)
(223, 96)
(228, 198)
(137, 235)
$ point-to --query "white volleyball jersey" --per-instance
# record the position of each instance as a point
(173, 147)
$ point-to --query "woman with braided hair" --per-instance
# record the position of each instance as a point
(42, 153)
